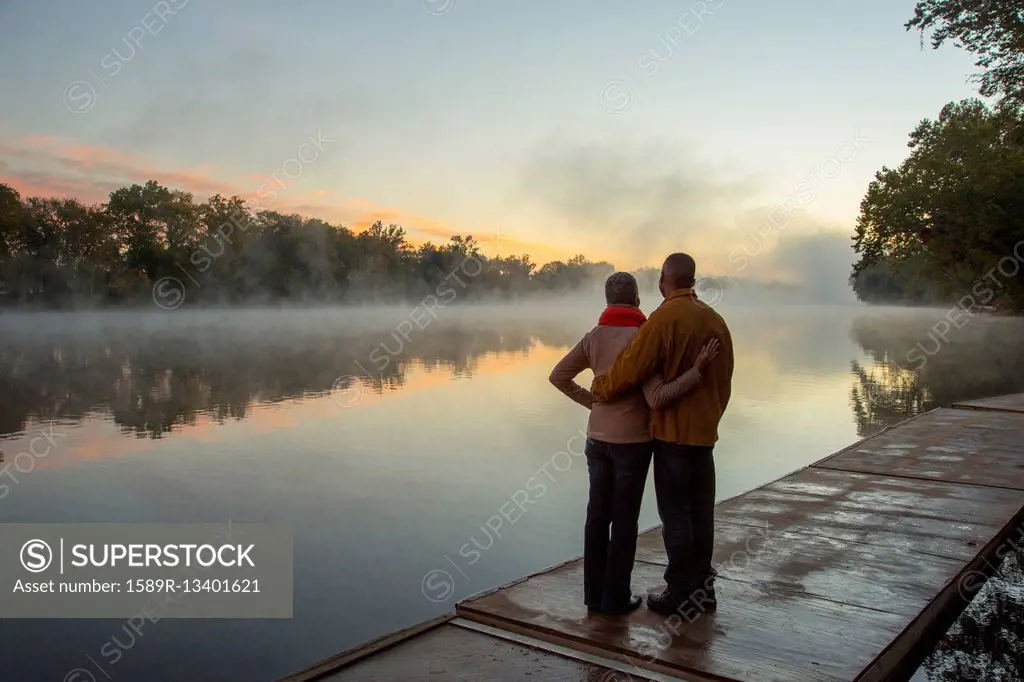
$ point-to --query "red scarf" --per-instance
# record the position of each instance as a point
(622, 316)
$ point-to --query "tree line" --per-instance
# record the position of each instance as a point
(150, 241)
(947, 225)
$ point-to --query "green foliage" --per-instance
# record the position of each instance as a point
(909, 284)
(993, 30)
(574, 274)
(954, 209)
(59, 252)
(647, 278)
(948, 224)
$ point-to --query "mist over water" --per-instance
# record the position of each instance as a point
(388, 438)
(630, 198)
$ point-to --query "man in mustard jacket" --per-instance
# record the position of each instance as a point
(684, 432)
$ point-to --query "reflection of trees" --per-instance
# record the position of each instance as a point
(981, 359)
(884, 396)
(153, 380)
(987, 642)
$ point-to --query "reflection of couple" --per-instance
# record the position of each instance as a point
(635, 413)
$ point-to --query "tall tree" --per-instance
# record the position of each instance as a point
(217, 248)
(957, 201)
(14, 221)
(384, 254)
(15, 226)
(148, 219)
(993, 30)
(72, 247)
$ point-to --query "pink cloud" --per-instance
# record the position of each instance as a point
(48, 166)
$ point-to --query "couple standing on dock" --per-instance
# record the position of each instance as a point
(661, 387)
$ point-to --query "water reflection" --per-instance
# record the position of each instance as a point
(151, 374)
(150, 377)
(982, 359)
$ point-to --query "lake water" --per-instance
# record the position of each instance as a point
(388, 454)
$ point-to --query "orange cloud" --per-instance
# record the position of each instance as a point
(66, 163)
(53, 166)
(34, 184)
(359, 214)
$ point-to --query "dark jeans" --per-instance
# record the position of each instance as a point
(684, 480)
(618, 473)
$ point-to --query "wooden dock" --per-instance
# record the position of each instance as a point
(450, 648)
(849, 569)
(1006, 403)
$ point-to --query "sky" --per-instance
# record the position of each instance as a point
(743, 132)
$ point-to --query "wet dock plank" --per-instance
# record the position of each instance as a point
(1007, 403)
(760, 632)
(959, 446)
(441, 650)
(792, 586)
(928, 518)
(842, 571)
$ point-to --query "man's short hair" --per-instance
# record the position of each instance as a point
(679, 270)
(621, 288)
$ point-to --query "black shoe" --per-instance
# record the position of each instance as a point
(689, 604)
(664, 604)
(632, 605)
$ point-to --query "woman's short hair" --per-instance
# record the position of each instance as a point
(621, 288)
